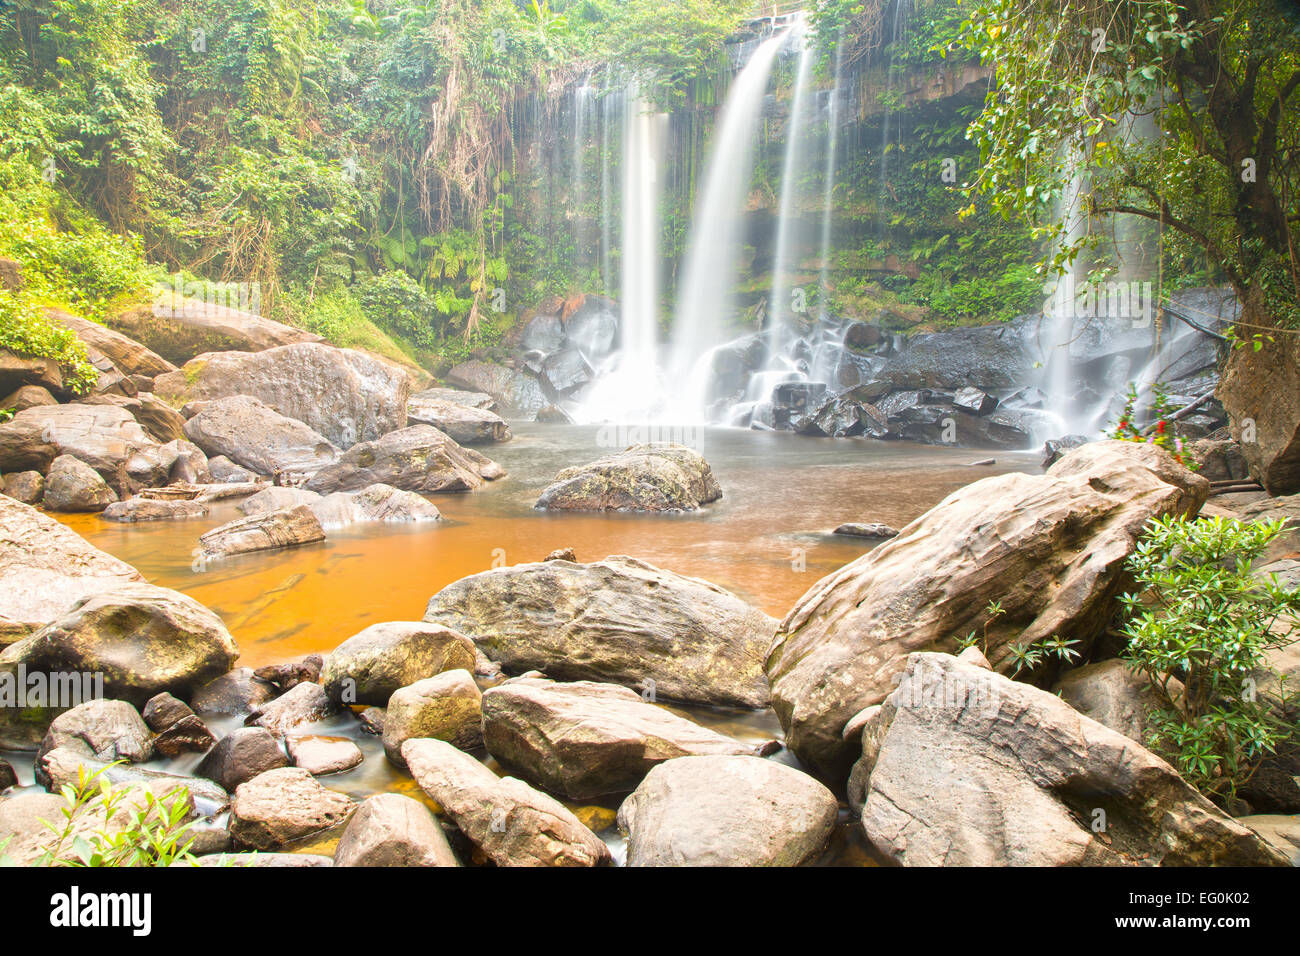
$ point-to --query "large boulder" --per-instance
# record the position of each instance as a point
(104, 729)
(128, 355)
(458, 396)
(370, 666)
(514, 391)
(46, 568)
(281, 806)
(1049, 548)
(511, 822)
(143, 639)
(389, 829)
(25, 486)
(345, 395)
(162, 422)
(585, 739)
(179, 329)
(251, 434)
(105, 437)
(464, 424)
(446, 707)
(619, 620)
(726, 811)
(74, 486)
(1113, 694)
(265, 531)
(27, 396)
(964, 767)
(241, 755)
(657, 476)
(419, 458)
(377, 502)
(19, 370)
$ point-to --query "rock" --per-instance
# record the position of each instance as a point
(592, 328)
(562, 554)
(392, 830)
(616, 620)
(287, 528)
(163, 710)
(237, 692)
(726, 811)
(281, 806)
(860, 335)
(162, 422)
(223, 469)
(873, 530)
(19, 370)
(1050, 548)
(105, 437)
(74, 486)
(370, 666)
(25, 486)
(566, 371)
(372, 721)
(104, 729)
(8, 776)
(344, 395)
(288, 675)
(373, 503)
(1057, 448)
(463, 424)
(1280, 832)
(27, 396)
(63, 766)
(514, 391)
(987, 357)
(554, 415)
(153, 509)
(187, 735)
(128, 355)
(543, 333)
(973, 400)
(513, 824)
(793, 400)
(585, 739)
(24, 832)
(277, 498)
(179, 329)
(444, 707)
(419, 458)
(11, 275)
(143, 639)
(1220, 460)
(305, 703)
(255, 859)
(658, 476)
(963, 767)
(241, 755)
(843, 418)
(1112, 694)
(469, 399)
(320, 756)
(258, 438)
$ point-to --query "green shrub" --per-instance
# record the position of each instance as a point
(1201, 616)
(396, 302)
(24, 329)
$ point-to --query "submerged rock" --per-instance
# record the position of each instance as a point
(726, 811)
(419, 458)
(303, 703)
(1050, 548)
(872, 530)
(512, 823)
(585, 739)
(389, 829)
(657, 476)
(321, 756)
(282, 806)
(286, 528)
(962, 766)
(615, 620)
(370, 666)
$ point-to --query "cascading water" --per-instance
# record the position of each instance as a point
(828, 187)
(781, 309)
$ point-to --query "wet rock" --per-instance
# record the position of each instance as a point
(372, 721)
(187, 735)
(237, 692)
(446, 707)
(616, 620)
(178, 329)
(27, 396)
(105, 437)
(860, 335)
(25, 486)
(463, 424)
(281, 806)
(258, 438)
(965, 767)
(565, 371)
(345, 395)
(143, 639)
(543, 333)
(1027, 397)
(726, 811)
(792, 400)
(370, 666)
(593, 328)
(974, 401)
(163, 710)
(289, 674)
(104, 729)
(514, 391)
(63, 766)
(1057, 448)
(874, 530)
(554, 415)
(392, 830)
(304, 704)
(73, 486)
(1112, 694)
(287, 528)
(241, 755)
(512, 823)
(1050, 548)
(419, 458)
(585, 739)
(321, 756)
(656, 476)
(842, 418)
(985, 357)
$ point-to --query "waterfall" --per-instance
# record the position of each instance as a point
(705, 301)
(582, 102)
(828, 186)
(609, 104)
(781, 310)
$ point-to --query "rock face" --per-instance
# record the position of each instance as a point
(726, 811)
(513, 824)
(241, 755)
(143, 639)
(464, 424)
(585, 739)
(446, 707)
(253, 435)
(128, 355)
(1050, 548)
(419, 458)
(162, 422)
(392, 830)
(615, 620)
(27, 396)
(1113, 695)
(658, 476)
(963, 767)
(281, 806)
(46, 568)
(74, 486)
(179, 329)
(287, 528)
(511, 389)
(370, 666)
(105, 437)
(345, 395)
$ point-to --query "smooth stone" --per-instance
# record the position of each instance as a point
(389, 829)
